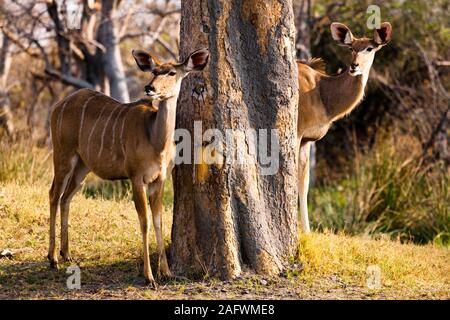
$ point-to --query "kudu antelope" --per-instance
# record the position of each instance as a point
(324, 99)
(93, 132)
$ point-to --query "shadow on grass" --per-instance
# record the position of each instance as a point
(37, 279)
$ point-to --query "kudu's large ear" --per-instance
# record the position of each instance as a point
(197, 61)
(383, 34)
(144, 60)
(341, 33)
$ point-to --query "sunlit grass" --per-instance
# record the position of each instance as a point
(405, 268)
(106, 243)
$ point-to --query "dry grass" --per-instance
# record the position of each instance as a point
(407, 270)
(106, 244)
(390, 191)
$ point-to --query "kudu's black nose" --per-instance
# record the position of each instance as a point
(149, 88)
(354, 65)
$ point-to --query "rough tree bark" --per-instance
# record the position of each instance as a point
(230, 216)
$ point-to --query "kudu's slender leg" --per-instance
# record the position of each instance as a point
(140, 202)
(79, 173)
(54, 201)
(63, 170)
(303, 185)
(156, 206)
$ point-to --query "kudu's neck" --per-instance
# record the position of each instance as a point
(342, 93)
(164, 126)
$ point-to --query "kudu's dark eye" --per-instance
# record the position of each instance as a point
(369, 49)
(172, 73)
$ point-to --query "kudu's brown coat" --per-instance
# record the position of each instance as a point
(324, 99)
(93, 132)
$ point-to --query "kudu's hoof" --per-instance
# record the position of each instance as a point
(151, 284)
(65, 257)
(53, 263)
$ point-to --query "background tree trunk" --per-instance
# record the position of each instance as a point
(302, 14)
(111, 59)
(229, 216)
(6, 120)
(61, 40)
(95, 46)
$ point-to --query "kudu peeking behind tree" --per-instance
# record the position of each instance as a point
(324, 99)
(93, 132)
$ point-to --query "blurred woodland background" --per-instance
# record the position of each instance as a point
(382, 170)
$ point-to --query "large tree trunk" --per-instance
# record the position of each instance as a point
(227, 216)
(111, 59)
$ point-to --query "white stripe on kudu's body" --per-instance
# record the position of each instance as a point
(60, 120)
(114, 129)
(141, 152)
(104, 131)
(324, 99)
(122, 147)
(88, 152)
(82, 116)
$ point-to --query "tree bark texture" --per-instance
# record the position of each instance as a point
(229, 217)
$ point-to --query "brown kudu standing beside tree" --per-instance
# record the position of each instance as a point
(92, 132)
(324, 99)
